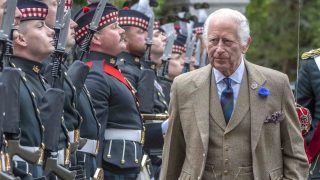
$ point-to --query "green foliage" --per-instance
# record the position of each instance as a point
(274, 28)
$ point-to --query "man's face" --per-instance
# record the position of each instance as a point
(71, 35)
(52, 11)
(223, 45)
(38, 38)
(111, 39)
(159, 41)
(136, 40)
(176, 64)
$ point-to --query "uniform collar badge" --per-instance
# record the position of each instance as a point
(35, 69)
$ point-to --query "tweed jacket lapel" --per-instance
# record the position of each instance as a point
(257, 103)
(216, 112)
(200, 98)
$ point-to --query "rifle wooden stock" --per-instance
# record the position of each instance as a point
(14, 148)
(63, 173)
(150, 117)
(5, 176)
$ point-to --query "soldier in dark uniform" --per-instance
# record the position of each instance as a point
(70, 131)
(307, 88)
(112, 96)
(90, 127)
(33, 44)
(132, 62)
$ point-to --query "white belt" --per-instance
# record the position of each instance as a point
(32, 149)
(71, 136)
(123, 134)
(60, 157)
(90, 147)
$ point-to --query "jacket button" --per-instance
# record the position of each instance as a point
(198, 177)
(225, 171)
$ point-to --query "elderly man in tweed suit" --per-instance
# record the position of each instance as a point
(232, 119)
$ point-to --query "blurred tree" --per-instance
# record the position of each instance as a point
(274, 28)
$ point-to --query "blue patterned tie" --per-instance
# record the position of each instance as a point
(227, 100)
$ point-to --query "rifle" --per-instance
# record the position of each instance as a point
(149, 41)
(61, 32)
(204, 58)
(189, 51)
(93, 28)
(6, 32)
(198, 54)
(11, 78)
(167, 55)
(3, 175)
(63, 173)
(52, 122)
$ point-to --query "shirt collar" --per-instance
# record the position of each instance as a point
(235, 76)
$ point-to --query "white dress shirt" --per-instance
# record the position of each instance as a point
(236, 78)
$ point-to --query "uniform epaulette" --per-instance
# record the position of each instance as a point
(311, 54)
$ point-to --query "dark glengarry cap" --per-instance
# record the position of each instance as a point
(84, 17)
(198, 28)
(156, 24)
(179, 45)
(134, 18)
(68, 5)
(32, 10)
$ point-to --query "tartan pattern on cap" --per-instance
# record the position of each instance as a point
(105, 20)
(198, 30)
(68, 5)
(156, 25)
(34, 12)
(178, 49)
(133, 21)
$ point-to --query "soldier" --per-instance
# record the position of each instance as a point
(115, 104)
(70, 130)
(32, 45)
(175, 66)
(308, 96)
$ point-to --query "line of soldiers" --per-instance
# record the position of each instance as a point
(102, 116)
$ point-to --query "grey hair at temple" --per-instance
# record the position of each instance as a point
(244, 29)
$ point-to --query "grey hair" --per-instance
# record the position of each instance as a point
(244, 29)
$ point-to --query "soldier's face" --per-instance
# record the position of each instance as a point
(159, 41)
(176, 64)
(37, 38)
(223, 45)
(110, 38)
(136, 40)
(71, 35)
(52, 11)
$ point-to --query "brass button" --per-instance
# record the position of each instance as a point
(226, 161)
(225, 171)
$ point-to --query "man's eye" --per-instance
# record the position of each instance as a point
(214, 41)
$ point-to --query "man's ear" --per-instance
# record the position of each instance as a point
(246, 47)
(96, 39)
(21, 40)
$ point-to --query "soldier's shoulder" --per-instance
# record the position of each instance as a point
(310, 54)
